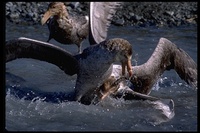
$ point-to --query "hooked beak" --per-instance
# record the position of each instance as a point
(129, 68)
(46, 16)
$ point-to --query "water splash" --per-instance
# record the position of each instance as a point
(166, 109)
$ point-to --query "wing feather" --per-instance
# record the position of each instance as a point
(101, 14)
(30, 48)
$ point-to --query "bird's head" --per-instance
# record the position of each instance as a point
(124, 53)
(54, 9)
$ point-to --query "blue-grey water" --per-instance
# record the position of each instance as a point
(28, 79)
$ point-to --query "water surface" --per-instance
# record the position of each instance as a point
(27, 79)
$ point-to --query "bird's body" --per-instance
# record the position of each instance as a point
(96, 63)
(68, 34)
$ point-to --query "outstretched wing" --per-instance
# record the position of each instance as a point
(30, 48)
(101, 14)
(173, 57)
(166, 56)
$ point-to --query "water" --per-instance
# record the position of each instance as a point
(27, 78)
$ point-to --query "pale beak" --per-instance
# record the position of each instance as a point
(129, 68)
(46, 16)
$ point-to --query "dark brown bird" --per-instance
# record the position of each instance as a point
(166, 56)
(64, 28)
(67, 29)
(91, 66)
